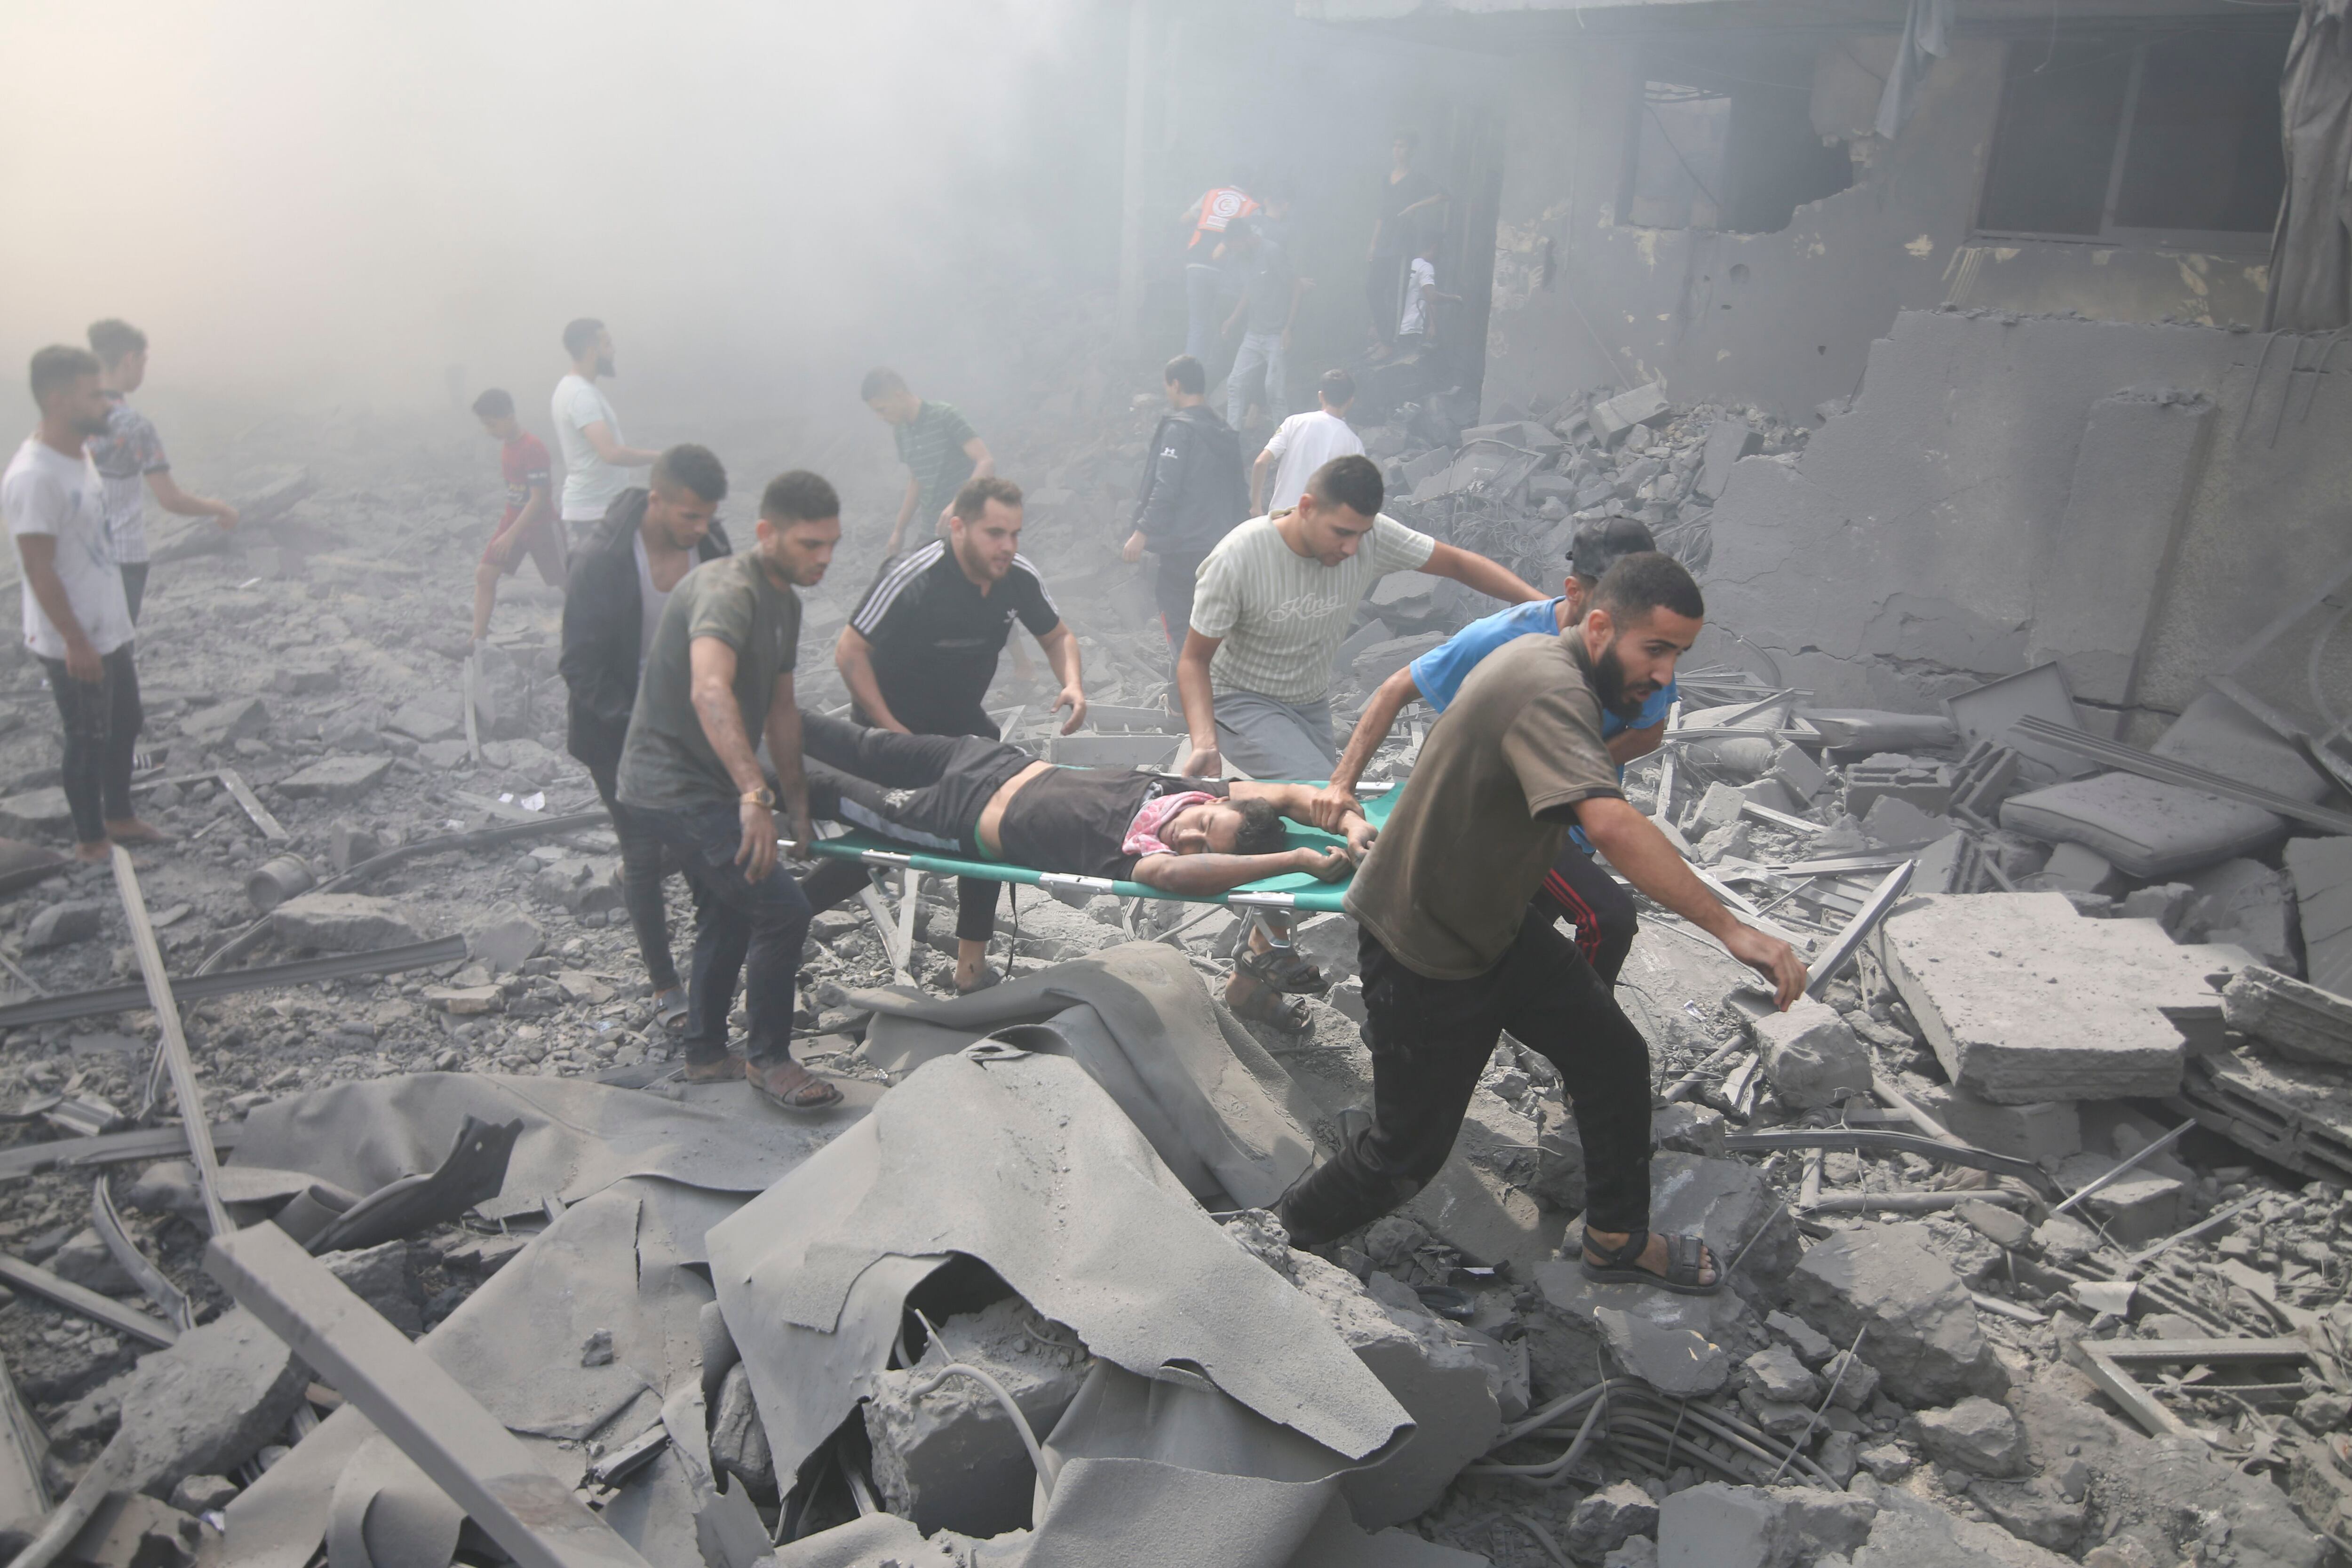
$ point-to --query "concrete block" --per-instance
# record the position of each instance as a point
(1851, 1381)
(466, 1001)
(223, 723)
(947, 1458)
(1607, 1519)
(1813, 1347)
(63, 925)
(347, 922)
(384, 1277)
(202, 1494)
(738, 1443)
(427, 720)
(130, 1530)
(2138, 1207)
(2035, 1511)
(1895, 775)
(1617, 414)
(1798, 774)
(1432, 1368)
(1811, 1056)
(1773, 795)
(1894, 823)
(1719, 808)
(1718, 1526)
(1686, 1339)
(2166, 903)
(2044, 1131)
(2135, 466)
(1976, 1436)
(2247, 904)
(504, 938)
(1778, 1373)
(36, 814)
(209, 1402)
(2024, 1000)
(337, 778)
(347, 845)
(1686, 1129)
(1680, 1362)
(1728, 441)
(1923, 1329)
(2298, 1021)
(2322, 872)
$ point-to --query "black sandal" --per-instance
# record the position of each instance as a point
(1274, 1010)
(1686, 1255)
(1282, 970)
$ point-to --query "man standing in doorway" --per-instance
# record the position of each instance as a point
(1305, 443)
(77, 619)
(1410, 204)
(939, 446)
(1575, 887)
(1270, 610)
(529, 527)
(651, 539)
(718, 680)
(1453, 952)
(1192, 493)
(920, 651)
(131, 460)
(595, 461)
(1269, 303)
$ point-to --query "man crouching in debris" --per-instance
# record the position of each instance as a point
(983, 799)
(718, 676)
(1452, 953)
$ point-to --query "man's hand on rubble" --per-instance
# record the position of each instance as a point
(1771, 957)
(1076, 701)
(758, 854)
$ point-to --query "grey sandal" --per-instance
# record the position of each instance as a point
(1686, 1256)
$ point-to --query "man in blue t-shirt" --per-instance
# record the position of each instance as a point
(1591, 900)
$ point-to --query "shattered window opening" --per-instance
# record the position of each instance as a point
(2171, 140)
(1713, 150)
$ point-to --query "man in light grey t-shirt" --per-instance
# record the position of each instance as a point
(597, 463)
(1270, 609)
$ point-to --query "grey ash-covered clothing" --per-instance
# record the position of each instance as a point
(668, 762)
(1194, 490)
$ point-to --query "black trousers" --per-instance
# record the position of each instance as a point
(1171, 592)
(1431, 1040)
(102, 720)
(924, 791)
(1577, 890)
(134, 585)
(645, 865)
(975, 898)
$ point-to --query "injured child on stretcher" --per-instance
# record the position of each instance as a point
(983, 799)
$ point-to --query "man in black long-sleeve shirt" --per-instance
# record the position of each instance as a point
(647, 541)
(1193, 493)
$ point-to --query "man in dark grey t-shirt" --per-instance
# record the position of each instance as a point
(717, 678)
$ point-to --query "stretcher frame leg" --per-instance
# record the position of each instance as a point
(886, 926)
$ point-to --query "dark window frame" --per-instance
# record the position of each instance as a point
(2111, 234)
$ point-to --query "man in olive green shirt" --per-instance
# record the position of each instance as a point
(1452, 954)
(717, 678)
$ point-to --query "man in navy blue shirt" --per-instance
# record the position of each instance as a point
(1591, 900)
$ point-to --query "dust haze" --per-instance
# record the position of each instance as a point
(321, 203)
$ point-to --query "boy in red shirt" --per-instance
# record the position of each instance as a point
(529, 526)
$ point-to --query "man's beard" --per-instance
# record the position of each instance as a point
(1609, 680)
(605, 365)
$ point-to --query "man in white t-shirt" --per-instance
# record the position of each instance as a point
(597, 463)
(1305, 443)
(77, 617)
(1270, 609)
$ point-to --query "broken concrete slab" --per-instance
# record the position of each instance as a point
(384, 1277)
(1728, 441)
(62, 924)
(2246, 904)
(336, 778)
(1922, 1329)
(224, 723)
(1810, 1057)
(2302, 1023)
(208, 1402)
(504, 938)
(1976, 1436)
(1432, 1369)
(2023, 999)
(347, 922)
(429, 719)
(2042, 1130)
(36, 812)
(1714, 1525)
(1895, 824)
(2322, 870)
(1680, 1362)
(1605, 1520)
(2034, 1510)
(738, 1444)
(1615, 415)
(2139, 1207)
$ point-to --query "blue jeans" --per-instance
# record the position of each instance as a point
(1258, 350)
(739, 925)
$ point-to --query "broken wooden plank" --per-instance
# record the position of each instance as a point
(234, 781)
(177, 1063)
(2109, 1363)
(227, 983)
(19, 1275)
(105, 1149)
(412, 1399)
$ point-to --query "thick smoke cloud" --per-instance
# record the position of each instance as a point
(344, 201)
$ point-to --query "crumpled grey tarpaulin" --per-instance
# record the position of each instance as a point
(516, 1344)
(578, 1138)
(1927, 31)
(2311, 251)
(1205, 1093)
(1027, 1164)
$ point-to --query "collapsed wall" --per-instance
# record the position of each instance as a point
(2136, 501)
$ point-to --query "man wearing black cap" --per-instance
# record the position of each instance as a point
(1590, 898)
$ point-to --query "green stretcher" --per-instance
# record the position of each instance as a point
(1291, 890)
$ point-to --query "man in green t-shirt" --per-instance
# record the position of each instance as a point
(1453, 955)
(939, 446)
(719, 678)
